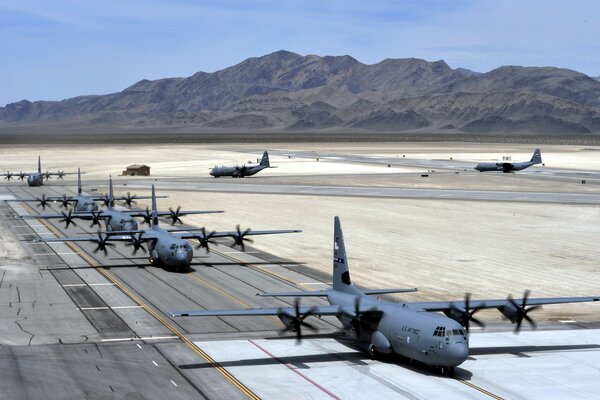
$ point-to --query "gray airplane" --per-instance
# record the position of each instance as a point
(114, 219)
(165, 247)
(81, 202)
(244, 170)
(35, 178)
(507, 167)
(415, 330)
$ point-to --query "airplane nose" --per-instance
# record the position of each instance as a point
(457, 353)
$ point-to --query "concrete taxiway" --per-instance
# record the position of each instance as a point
(78, 324)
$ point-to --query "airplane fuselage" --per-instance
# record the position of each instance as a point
(426, 337)
(117, 221)
(84, 203)
(168, 250)
(503, 167)
(237, 172)
(35, 179)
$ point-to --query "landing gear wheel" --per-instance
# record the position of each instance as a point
(371, 352)
(447, 371)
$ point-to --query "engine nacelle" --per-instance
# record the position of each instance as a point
(381, 343)
(287, 321)
(509, 311)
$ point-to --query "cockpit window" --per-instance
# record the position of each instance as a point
(173, 246)
(440, 331)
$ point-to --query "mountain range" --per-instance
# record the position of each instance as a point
(284, 91)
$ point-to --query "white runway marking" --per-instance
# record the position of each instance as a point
(174, 384)
(155, 364)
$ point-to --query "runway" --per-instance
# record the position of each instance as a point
(381, 192)
(79, 323)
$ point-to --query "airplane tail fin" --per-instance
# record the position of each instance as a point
(78, 181)
(265, 160)
(39, 164)
(111, 195)
(537, 157)
(154, 211)
(341, 273)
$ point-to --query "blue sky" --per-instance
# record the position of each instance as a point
(53, 50)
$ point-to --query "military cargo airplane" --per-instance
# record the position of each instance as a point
(81, 202)
(414, 330)
(116, 220)
(35, 178)
(165, 247)
(507, 167)
(244, 170)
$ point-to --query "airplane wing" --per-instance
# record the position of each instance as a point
(316, 310)
(95, 239)
(80, 214)
(233, 233)
(137, 213)
(47, 198)
(497, 303)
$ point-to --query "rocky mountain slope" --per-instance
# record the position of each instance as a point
(287, 91)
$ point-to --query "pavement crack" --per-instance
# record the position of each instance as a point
(18, 323)
(98, 350)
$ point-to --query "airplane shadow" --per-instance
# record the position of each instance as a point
(521, 350)
(355, 357)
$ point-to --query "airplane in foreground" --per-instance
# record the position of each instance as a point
(244, 170)
(81, 202)
(507, 167)
(414, 330)
(165, 247)
(35, 178)
(114, 219)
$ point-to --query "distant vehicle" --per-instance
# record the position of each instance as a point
(35, 178)
(244, 170)
(165, 247)
(114, 219)
(507, 167)
(414, 330)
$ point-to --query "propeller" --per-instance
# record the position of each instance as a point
(68, 218)
(204, 240)
(43, 202)
(22, 175)
(521, 311)
(60, 174)
(65, 201)
(148, 216)
(129, 199)
(465, 314)
(8, 176)
(239, 239)
(175, 215)
(96, 218)
(136, 243)
(47, 175)
(294, 323)
(102, 244)
(106, 201)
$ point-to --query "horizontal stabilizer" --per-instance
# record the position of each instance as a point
(314, 293)
(324, 293)
(385, 291)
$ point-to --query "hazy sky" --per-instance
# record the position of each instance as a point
(57, 49)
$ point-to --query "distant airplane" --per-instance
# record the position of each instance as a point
(81, 202)
(510, 167)
(244, 170)
(414, 330)
(35, 178)
(165, 247)
(114, 219)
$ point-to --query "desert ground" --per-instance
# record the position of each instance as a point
(443, 247)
